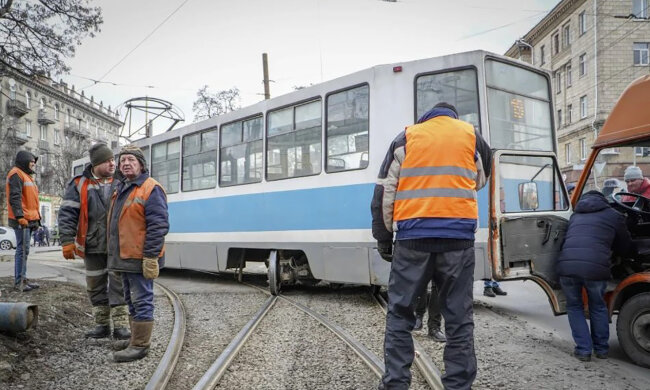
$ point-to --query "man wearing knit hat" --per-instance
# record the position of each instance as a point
(137, 225)
(636, 183)
(82, 230)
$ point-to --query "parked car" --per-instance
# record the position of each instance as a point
(7, 238)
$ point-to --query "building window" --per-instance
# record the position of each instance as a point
(558, 82)
(67, 117)
(347, 129)
(43, 129)
(28, 128)
(583, 107)
(640, 8)
(569, 113)
(582, 22)
(641, 53)
(569, 75)
(28, 99)
(583, 64)
(642, 151)
(12, 91)
(583, 149)
(556, 43)
(566, 35)
(542, 54)
(559, 118)
(57, 137)
(56, 111)
(567, 153)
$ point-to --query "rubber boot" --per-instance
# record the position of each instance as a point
(123, 344)
(140, 342)
(120, 318)
(102, 328)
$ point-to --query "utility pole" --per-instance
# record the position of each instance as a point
(265, 66)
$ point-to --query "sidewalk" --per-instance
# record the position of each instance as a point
(37, 270)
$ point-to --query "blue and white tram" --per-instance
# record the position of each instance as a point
(290, 179)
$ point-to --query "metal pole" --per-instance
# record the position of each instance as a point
(265, 66)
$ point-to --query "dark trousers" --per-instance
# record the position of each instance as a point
(104, 287)
(138, 293)
(20, 264)
(430, 302)
(453, 274)
(598, 338)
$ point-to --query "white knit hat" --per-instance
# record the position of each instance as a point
(633, 172)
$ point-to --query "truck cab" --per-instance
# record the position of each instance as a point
(530, 209)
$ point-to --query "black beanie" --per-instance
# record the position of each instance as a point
(446, 105)
(100, 153)
(137, 152)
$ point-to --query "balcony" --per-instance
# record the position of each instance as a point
(43, 145)
(18, 136)
(16, 108)
(72, 131)
(45, 118)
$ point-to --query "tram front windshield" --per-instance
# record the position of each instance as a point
(519, 108)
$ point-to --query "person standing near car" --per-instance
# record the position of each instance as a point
(137, 224)
(82, 231)
(595, 231)
(426, 194)
(24, 214)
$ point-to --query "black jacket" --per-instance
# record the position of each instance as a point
(595, 231)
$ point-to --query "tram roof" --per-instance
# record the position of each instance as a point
(629, 120)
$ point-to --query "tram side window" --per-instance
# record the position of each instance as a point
(241, 152)
(294, 141)
(200, 160)
(458, 88)
(165, 164)
(347, 129)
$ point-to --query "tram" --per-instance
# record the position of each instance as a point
(289, 180)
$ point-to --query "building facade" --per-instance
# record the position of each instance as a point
(52, 121)
(593, 49)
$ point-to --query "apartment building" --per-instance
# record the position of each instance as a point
(593, 50)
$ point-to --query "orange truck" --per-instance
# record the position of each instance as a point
(525, 238)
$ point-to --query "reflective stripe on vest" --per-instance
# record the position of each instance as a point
(29, 199)
(438, 175)
(83, 185)
(132, 225)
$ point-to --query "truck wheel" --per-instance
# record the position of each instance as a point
(633, 328)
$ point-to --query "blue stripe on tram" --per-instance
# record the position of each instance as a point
(328, 208)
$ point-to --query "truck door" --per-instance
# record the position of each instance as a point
(529, 214)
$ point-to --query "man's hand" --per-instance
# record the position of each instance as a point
(23, 222)
(68, 251)
(150, 267)
(385, 249)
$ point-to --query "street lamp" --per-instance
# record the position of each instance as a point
(520, 42)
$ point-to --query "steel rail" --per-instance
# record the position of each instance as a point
(368, 357)
(422, 359)
(165, 368)
(212, 376)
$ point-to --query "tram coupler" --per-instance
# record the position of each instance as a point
(18, 316)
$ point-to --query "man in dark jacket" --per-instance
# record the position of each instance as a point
(595, 230)
(137, 224)
(24, 213)
(82, 224)
(426, 194)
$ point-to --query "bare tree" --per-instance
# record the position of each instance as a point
(37, 35)
(210, 104)
(56, 174)
(9, 144)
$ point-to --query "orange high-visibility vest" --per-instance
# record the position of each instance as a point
(31, 210)
(438, 175)
(132, 227)
(82, 184)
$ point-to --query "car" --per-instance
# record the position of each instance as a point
(7, 238)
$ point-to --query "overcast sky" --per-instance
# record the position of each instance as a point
(220, 42)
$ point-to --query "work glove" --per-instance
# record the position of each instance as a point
(150, 267)
(385, 249)
(68, 251)
(23, 222)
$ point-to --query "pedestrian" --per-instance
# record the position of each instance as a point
(24, 214)
(426, 194)
(636, 183)
(595, 231)
(491, 288)
(428, 301)
(46, 235)
(137, 224)
(38, 237)
(82, 229)
(55, 236)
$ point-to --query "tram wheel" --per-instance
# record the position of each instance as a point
(274, 273)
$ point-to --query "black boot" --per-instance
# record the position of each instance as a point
(121, 334)
(497, 290)
(99, 332)
(418, 323)
(437, 335)
(488, 292)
